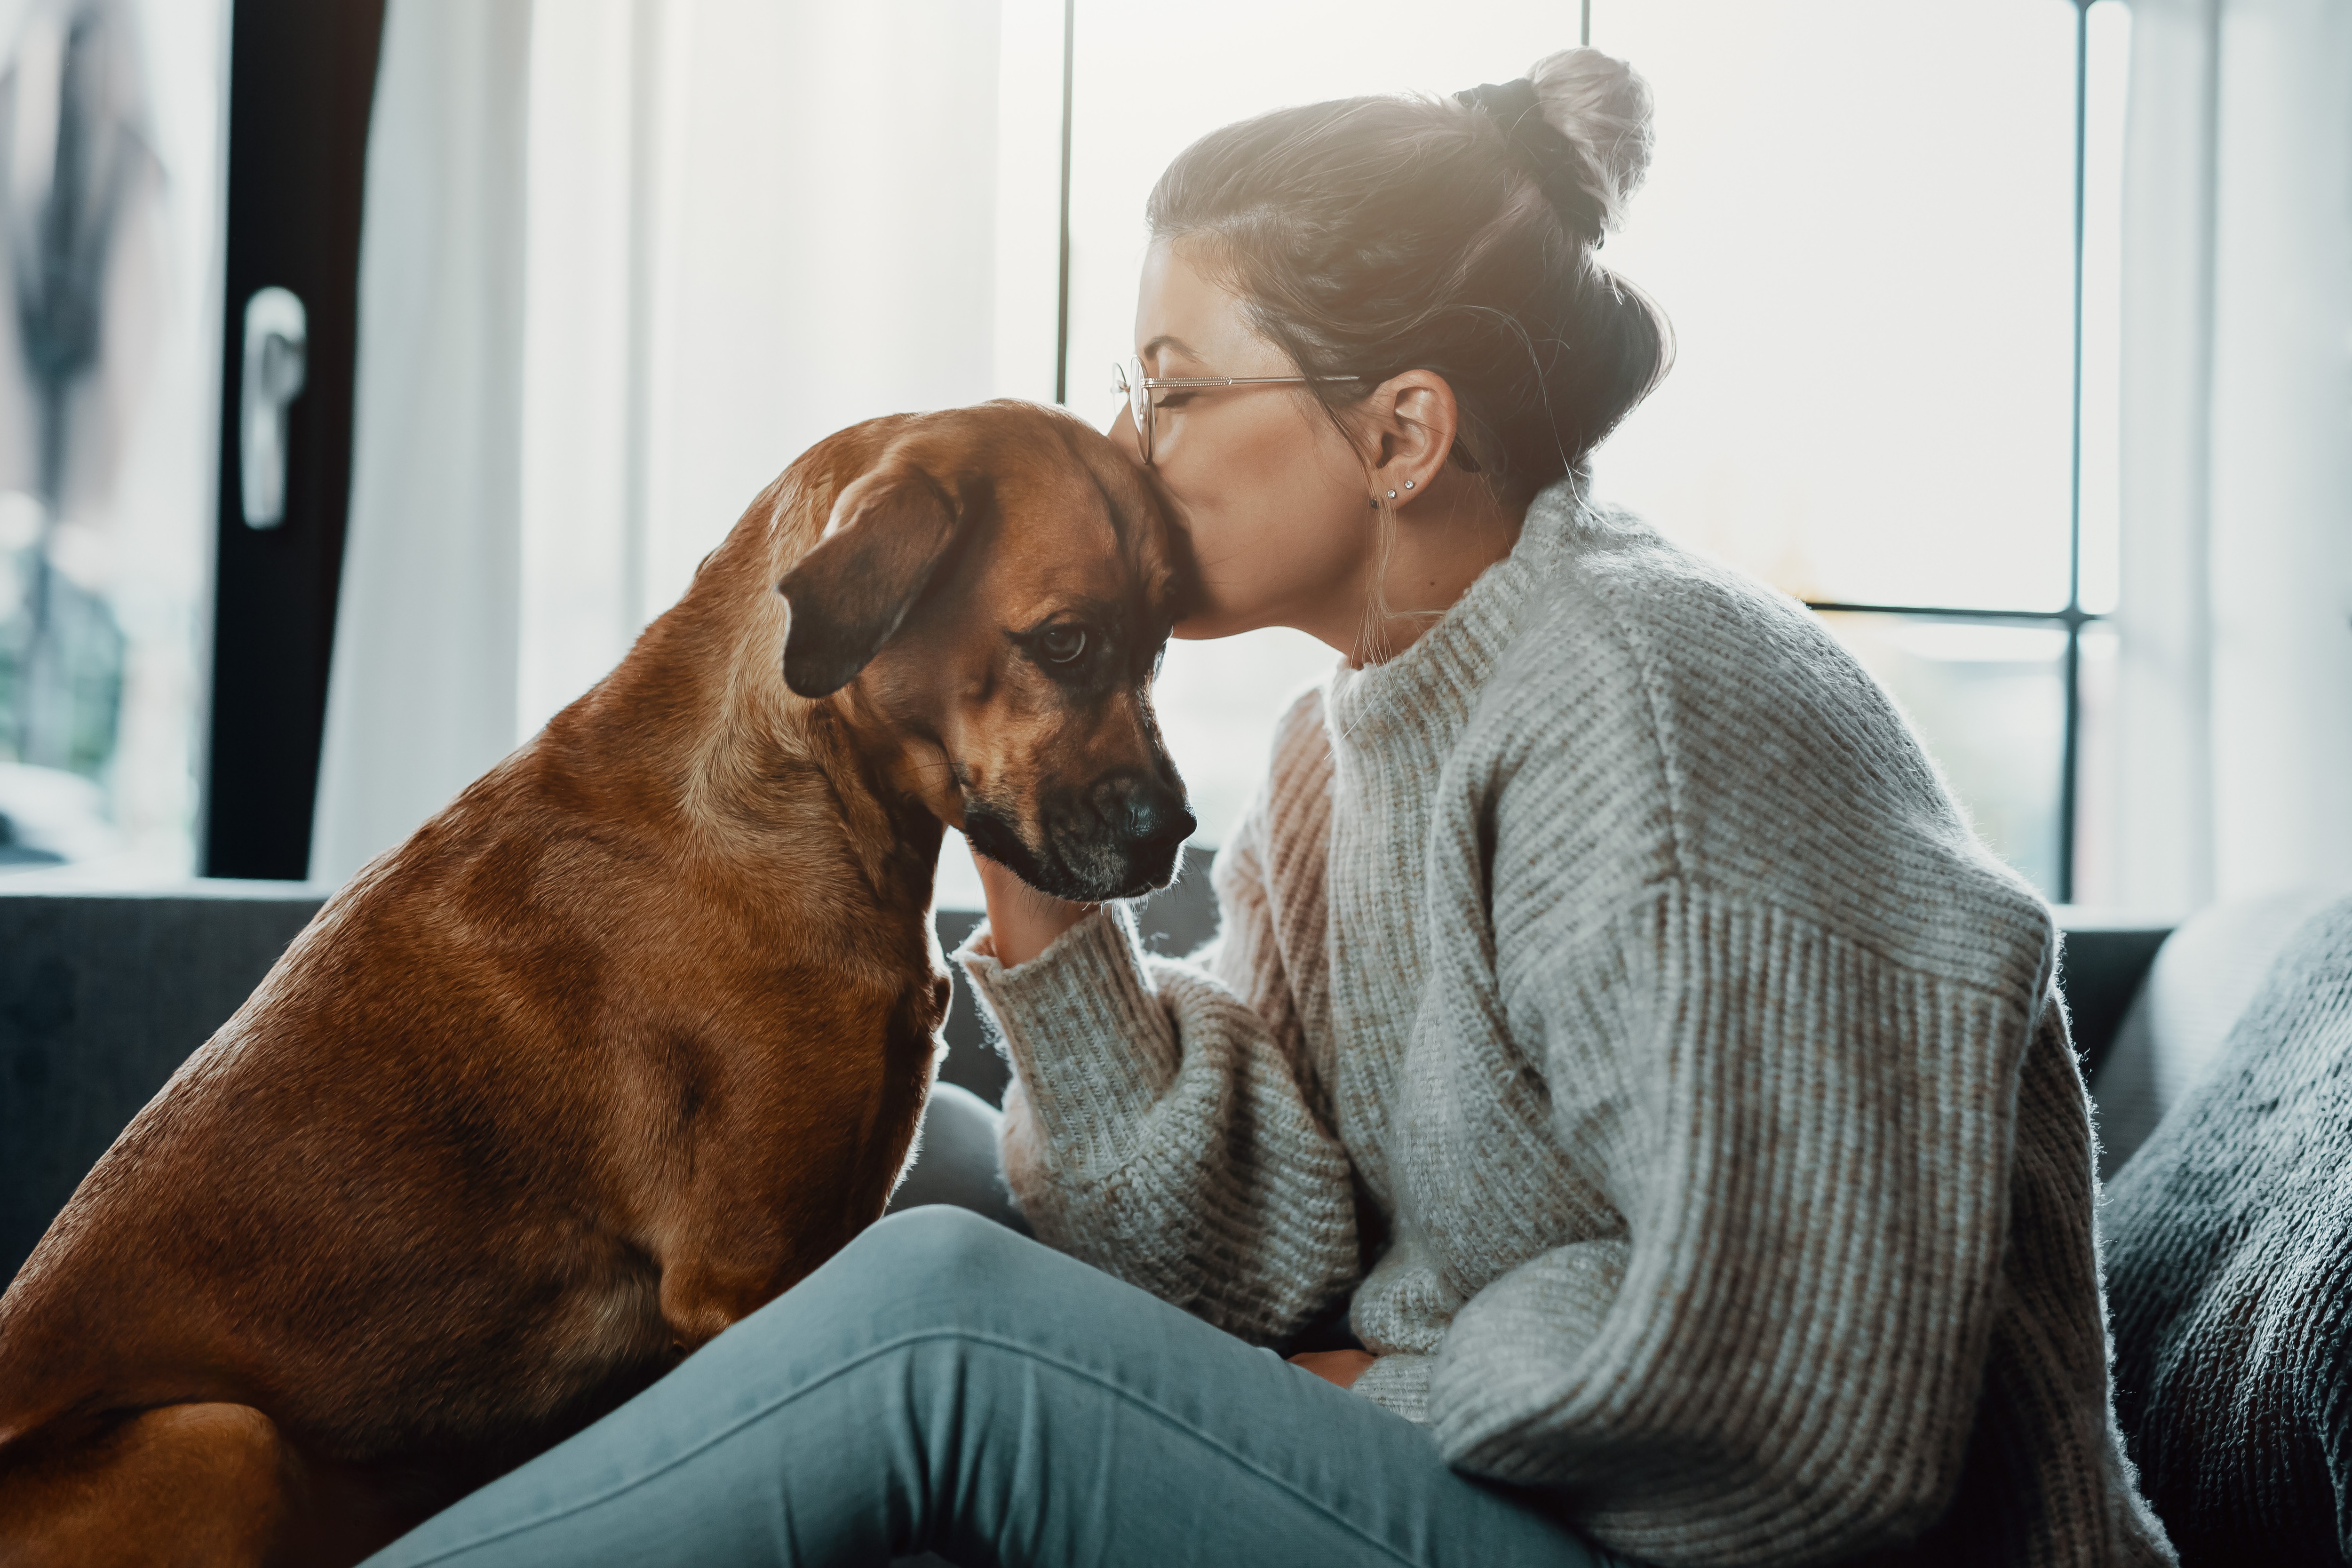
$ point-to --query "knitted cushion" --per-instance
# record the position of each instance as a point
(2230, 1276)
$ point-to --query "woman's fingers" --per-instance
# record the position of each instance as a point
(1022, 922)
(1340, 1367)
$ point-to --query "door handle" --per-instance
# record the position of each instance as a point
(277, 349)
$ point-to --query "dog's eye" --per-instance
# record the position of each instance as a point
(1060, 644)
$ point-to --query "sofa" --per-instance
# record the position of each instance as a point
(103, 993)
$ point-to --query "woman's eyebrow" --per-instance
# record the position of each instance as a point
(1169, 341)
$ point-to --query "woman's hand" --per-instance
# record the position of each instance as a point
(1022, 922)
(1340, 1367)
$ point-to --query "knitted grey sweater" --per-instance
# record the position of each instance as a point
(1611, 1005)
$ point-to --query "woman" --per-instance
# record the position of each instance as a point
(1614, 1025)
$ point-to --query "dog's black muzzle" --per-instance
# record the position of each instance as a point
(1118, 837)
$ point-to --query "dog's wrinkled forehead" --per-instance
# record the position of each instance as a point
(1076, 518)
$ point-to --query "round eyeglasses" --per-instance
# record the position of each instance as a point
(1143, 392)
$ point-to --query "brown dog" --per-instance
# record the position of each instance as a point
(628, 1039)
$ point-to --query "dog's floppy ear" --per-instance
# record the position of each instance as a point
(889, 527)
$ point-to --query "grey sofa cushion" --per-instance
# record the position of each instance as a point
(2229, 1249)
(103, 996)
(2202, 979)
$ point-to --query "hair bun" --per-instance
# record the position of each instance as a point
(1602, 106)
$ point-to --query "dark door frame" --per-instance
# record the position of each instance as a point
(301, 82)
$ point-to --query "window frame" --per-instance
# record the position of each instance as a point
(2073, 617)
(301, 84)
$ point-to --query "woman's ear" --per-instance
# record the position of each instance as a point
(1415, 420)
(889, 527)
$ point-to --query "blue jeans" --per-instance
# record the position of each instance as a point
(943, 1383)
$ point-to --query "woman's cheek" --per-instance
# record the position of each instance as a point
(1238, 573)
(1220, 554)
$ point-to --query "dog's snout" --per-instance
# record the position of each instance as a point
(1143, 810)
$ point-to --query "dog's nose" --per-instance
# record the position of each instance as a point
(1142, 810)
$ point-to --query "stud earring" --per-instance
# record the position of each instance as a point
(1393, 495)
(1408, 484)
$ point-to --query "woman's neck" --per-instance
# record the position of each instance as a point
(1436, 548)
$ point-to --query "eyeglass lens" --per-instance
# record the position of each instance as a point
(1139, 401)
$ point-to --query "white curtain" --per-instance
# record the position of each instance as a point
(622, 261)
(2235, 690)
(420, 693)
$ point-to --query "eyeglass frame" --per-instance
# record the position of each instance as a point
(1141, 405)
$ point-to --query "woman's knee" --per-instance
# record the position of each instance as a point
(934, 1273)
(941, 1251)
(920, 1272)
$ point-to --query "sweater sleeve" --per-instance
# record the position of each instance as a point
(1810, 1143)
(1160, 1124)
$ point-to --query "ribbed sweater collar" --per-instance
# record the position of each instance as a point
(1425, 693)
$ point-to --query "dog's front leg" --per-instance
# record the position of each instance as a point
(701, 1299)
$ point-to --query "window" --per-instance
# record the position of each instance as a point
(1886, 237)
(112, 119)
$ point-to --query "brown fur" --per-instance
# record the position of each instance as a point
(629, 1038)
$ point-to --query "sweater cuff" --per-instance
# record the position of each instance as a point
(1081, 1025)
(1399, 1382)
(1512, 1352)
